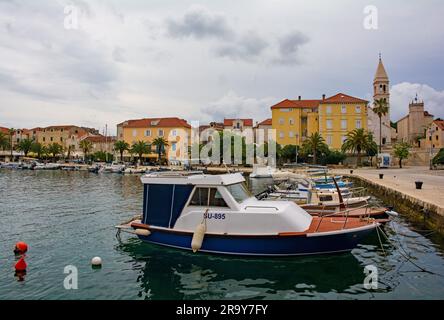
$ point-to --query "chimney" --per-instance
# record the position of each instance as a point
(299, 98)
(323, 97)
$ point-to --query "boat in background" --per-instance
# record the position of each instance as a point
(217, 214)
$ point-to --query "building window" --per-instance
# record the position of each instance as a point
(174, 133)
(344, 109)
(291, 121)
(291, 134)
(61, 139)
(343, 138)
(281, 121)
(329, 140)
(328, 110)
(329, 124)
(160, 133)
(173, 146)
(437, 138)
(281, 134)
(44, 139)
(134, 133)
(52, 139)
(148, 133)
(358, 109)
(358, 124)
(344, 124)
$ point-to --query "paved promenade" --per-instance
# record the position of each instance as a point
(403, 180)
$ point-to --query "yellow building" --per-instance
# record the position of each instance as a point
(173, 130)
(333, 118)
(295, 120)
(339, 115)
(435, 135)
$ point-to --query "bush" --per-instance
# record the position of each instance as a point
(439, 158)
(333, 157)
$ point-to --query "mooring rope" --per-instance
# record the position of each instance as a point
(405, 254)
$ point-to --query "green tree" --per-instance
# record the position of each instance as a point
(357, 141)
(372, 149)
(25, 146)
(102, 156)
(439, 158)
(381, 108)
(333, 157)
(121, 146)
(86, 147)
(315, 144)
(55, 149)
(402, 151)
(4, 141)
(140, 148)
(160, 143)
(288, 153)
(38, 149)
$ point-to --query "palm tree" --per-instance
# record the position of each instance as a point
(381, 109)
(11, 146)
(160, 144)
(121, 146)
(25, 146)
(38, 148)
(4, 141)
(372, 149)
(86, 147)
(141, 148)
(54, 149)
(314, 144)
(357, 141)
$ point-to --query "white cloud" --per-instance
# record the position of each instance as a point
(403, 93)
(232, 105)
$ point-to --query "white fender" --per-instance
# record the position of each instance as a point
(198, 237)
(142, 232)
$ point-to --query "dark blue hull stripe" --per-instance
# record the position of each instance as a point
(262, 245)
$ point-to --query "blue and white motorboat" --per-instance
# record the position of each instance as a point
(217, 214)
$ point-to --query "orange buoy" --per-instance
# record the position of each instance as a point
(20, 247)
(21, 265)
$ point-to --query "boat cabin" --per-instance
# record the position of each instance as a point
(181, 200)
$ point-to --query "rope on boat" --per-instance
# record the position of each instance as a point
(405, 254)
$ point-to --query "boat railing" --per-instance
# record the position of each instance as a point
(262, 207)
(343, 213)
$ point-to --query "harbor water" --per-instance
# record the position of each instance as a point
(69, 217)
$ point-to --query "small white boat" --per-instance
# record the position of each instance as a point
(217, 214)
(260, 171)
(133, 170)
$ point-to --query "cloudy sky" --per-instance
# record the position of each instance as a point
(205, 60)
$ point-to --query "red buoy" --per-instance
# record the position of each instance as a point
(21, 265)
(20, 247)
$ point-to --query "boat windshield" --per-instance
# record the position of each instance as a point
(239, 192)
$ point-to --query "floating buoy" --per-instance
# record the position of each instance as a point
(96, 262)
(142, 232)
(20, 247)
(21, 265)
(198, 237)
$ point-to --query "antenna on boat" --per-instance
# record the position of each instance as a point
(341, 201)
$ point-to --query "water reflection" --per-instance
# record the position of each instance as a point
(175, 274)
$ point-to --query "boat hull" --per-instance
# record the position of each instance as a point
(272, 245)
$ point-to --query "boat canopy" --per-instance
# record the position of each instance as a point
(190, 178)
(165, 194)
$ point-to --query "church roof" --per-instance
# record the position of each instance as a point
(381, 74)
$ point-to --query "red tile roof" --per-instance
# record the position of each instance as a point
(155, 122)
(247, 122)
(100, 139)
(4, 130)
(267, 122)
(439, 123)
(343, 98)
(427, 114)
(297, 104)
